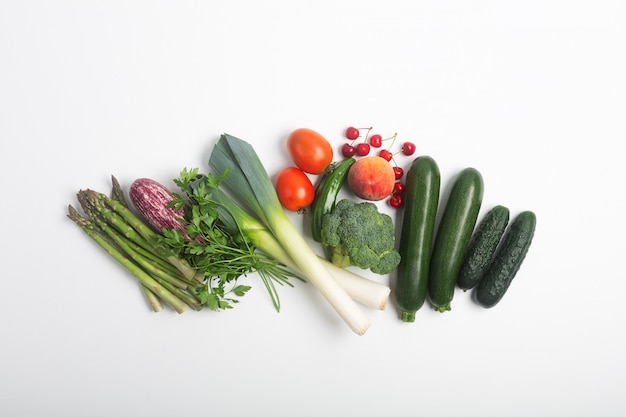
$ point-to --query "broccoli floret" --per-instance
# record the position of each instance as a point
(358, 234)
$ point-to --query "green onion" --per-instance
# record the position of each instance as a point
(249, 182)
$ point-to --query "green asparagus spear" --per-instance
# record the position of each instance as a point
(132, 227)
(92, 231)
(117, 194)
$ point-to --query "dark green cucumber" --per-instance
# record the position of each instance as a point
(482, 247)
(326, 194)
(421, 199)
(453, 236)
(507, 260)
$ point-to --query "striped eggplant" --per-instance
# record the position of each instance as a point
(150, 198)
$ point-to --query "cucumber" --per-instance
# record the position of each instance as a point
(482, 247)
(326, 194)
(507, 260)
(453, 236)
(421, 199)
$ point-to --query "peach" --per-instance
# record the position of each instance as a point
(371, 178)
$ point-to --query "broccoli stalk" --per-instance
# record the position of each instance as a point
(357, 234)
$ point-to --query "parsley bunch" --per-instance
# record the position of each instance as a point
(214, 250)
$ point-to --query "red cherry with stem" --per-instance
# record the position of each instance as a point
(362, 149)
(408, 148)
(386, 155)
(352, 133)
(398, 188)
(398, 171)
(396, 201)
(376, 140)
(348, 150)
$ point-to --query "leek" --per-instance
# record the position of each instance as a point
(367, 292)
(249, 182)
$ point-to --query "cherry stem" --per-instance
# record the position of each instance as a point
(395, 135)
(369, 129)
(367, 135)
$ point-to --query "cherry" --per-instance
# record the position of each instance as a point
(376, 141)
(408, 148)
(352, 133)
(398, 171)
(348, 150)
(386, 155)
(362, 149)
(396, 201)
(398, 188)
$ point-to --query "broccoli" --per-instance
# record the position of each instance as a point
(358, 234)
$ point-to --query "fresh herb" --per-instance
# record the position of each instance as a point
(223, 255)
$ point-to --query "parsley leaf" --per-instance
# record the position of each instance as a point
(221, 256)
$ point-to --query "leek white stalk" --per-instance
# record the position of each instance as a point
(364, 291)
(248, 180)
(367, 292)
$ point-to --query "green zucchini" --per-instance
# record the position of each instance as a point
(326, 194)
(482, 247)
(453, 236)
(507, 260)
(421, 199)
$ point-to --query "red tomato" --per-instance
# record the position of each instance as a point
(295, 190)
(309, 150)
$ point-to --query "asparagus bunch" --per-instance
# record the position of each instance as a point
(132, 243)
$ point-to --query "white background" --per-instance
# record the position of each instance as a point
(531, 93)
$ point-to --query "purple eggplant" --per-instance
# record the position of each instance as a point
(151, 200)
